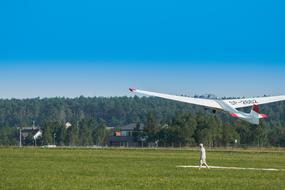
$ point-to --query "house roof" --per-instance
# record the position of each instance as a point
(29, 129)
(131, 127)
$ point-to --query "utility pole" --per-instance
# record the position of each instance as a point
(54, 138)
(20, 144)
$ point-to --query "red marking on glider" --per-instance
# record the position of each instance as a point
(255, 108)
(234, 115)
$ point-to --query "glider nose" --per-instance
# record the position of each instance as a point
(132, 89)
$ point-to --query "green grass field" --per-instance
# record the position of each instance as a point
(39, 168)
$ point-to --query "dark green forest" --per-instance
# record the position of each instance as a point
(167, 122)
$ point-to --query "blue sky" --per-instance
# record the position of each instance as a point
(100, 48)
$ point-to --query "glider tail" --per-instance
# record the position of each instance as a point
(255, 112)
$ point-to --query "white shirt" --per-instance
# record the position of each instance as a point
(202, 153)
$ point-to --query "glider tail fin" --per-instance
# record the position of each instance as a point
(255, 111)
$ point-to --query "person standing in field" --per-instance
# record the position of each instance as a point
(202, 156)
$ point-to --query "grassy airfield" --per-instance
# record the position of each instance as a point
(39, 168)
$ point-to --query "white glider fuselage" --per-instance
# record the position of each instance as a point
(229, 106)
(252, 117)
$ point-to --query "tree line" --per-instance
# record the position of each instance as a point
(166, 122)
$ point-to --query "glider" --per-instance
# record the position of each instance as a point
(229, 105)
